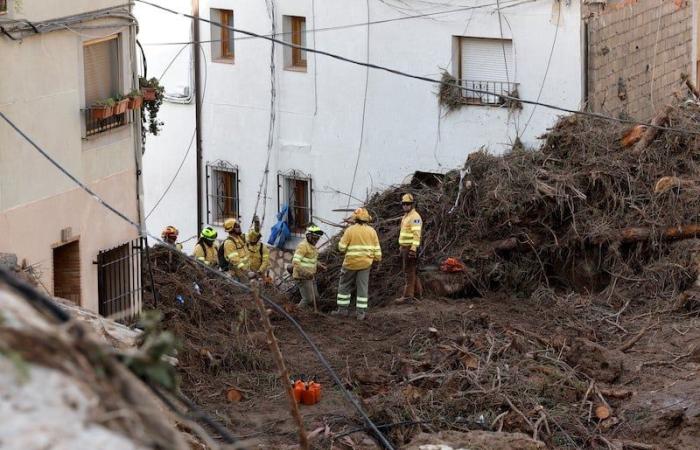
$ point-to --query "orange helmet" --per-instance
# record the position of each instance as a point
(169, 232)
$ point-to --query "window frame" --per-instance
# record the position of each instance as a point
(223, 48)
(282, 179)
(5, 11)
(212, 192)
(294, 32)
(498, 88)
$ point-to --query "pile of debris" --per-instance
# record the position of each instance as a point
(597, 205)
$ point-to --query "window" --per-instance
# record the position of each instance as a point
(222, 191)
(101, 66)
(222, 49)
(295, 191)
(3, 7)
(119, 288)
(295, 33)
(486, 65)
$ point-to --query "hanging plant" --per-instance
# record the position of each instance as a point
(151, 105)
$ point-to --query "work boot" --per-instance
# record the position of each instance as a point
(342, 311)
(404, 300)
(361, 315)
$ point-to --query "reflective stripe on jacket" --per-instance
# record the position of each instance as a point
(305, 261)
(259, 257)
(361, 247)
(411, 227)
(206, 254)
(235, 253)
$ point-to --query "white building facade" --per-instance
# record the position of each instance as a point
(340, 128)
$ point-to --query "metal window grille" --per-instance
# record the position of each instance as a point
(95, 126)
(222, 191)
(119, 288)
(295, 189)
(493, 92)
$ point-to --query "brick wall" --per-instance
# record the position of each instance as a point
(631, 41)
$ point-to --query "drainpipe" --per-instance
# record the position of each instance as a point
(197, 109)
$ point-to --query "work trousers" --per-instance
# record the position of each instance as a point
(308, 291)
(350, 279)
(239, 275)
(413, 287)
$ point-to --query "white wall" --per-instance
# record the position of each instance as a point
(319, 113)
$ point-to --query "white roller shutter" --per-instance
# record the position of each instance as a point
(482, 60)
(101, 62)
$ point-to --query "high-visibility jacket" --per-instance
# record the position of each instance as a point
(235, 253)
(206, 254)
(259, 256)
(305, 261)
(411, 227)
(361, 247)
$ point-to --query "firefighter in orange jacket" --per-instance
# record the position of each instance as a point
(361, 247)
(409, 241)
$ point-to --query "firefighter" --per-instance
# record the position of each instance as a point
(304, 266)
(409, 241)
(258, 254)
(234, 251)
(205, 250)
(169, 235)
(361, 247)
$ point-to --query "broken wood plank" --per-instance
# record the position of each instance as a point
(652, 132)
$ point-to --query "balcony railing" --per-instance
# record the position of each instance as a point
(94, 125)
(492, 92)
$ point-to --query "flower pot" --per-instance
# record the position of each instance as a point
(101, 112)
(149, 93)
(121, 106)
(135, 102)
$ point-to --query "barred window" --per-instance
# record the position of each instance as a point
(222, 186)
(485, 66)
(294, 190)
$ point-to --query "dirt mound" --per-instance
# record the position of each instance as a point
(585, 210)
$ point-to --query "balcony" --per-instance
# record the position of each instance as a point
(493, 93)
(96, 122)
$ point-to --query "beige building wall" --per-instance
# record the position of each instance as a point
(42, 92)
(637, 51)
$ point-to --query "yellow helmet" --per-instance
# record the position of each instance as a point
(229, 224)
(407, 198)
(362, 215)
(314, 229)
(253, 235)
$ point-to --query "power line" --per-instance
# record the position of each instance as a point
(364, 24)
(143, 232)
(427, 79)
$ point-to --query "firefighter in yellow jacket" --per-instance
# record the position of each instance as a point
(234, 250)
(409, 241)
(205, 250)
(258, 254)
(305, 265)
(361, 247)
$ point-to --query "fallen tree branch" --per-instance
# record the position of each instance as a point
(652, 132)
(634, 339)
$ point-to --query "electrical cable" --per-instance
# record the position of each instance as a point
(364, 24)
(189, 147)
(546, 71)
(364, 113)
(143, 232)
(431, 80)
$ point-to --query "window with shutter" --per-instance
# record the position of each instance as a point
(486, 65)
(294, 29)
(223, 192)
(222, 45)
(297, 194)
(101, 65)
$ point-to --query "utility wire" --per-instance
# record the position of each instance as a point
(428, 79)
(364, 24)
(143, 232)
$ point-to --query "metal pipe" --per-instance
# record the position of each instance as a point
(197, 109)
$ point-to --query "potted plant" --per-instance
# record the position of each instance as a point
(121, 103)
(152, 107)
(149, 88)
(135, 99)
(102, 109)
